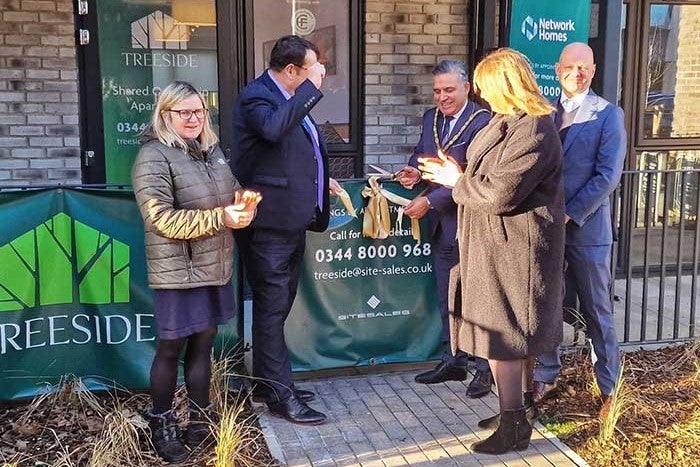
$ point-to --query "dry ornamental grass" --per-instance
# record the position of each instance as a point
(70, 426)
(654, 419)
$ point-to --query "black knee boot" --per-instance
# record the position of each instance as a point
(531, 413)
(513, 432)
(165, 436)
(200, 427)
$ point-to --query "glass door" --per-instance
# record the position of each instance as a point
(143, 47)
(333, 26)
(136, 48)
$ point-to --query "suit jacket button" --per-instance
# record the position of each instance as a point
(315, 182)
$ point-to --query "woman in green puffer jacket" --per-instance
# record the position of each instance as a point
(189, 201)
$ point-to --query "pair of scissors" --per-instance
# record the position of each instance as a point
(383, 174)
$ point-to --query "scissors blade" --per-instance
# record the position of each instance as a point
(379, 170)
(382, 176)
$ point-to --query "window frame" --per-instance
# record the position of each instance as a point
(642, 142)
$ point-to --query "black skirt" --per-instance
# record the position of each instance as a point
(183, 312)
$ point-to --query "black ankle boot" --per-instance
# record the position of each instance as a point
(531, 413)
(199, 430)
(513, 432)
(165, 436)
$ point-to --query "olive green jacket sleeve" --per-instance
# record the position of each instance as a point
(153, 187)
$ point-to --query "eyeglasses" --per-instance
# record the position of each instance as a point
(186, 114)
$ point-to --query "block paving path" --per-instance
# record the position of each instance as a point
(389, 420)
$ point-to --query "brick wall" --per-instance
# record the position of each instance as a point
(686, 112)
(404, 40)
(39, 139)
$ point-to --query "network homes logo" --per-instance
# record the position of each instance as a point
(62, 261)
(166, 37)
(547, 30)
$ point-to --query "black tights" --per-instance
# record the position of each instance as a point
(512, 378)
(197, 369)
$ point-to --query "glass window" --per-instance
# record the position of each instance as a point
(143, 47)
(672, 100)
(326, 23)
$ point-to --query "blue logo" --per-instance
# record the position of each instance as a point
(529, 28)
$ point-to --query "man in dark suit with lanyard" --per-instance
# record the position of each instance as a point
(282, 156)
(449, 127)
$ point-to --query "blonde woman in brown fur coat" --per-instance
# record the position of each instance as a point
(507, 288)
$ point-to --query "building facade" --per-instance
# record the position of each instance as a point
(78, 79)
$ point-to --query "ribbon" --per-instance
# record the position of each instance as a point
(347, 202)
(377, 221)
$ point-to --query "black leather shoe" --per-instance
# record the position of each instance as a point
(302, 394)
(480, 385)
(543, 391)
(441, 373)
(296, 411)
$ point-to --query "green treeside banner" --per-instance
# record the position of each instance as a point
(541, 29)
(74, 298)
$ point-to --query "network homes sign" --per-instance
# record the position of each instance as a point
(541, 29)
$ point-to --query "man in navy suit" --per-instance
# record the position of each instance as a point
(282, 155)
(593, 138)
(450, 127)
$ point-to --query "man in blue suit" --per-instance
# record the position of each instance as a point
(282, 155)
(450, 127)
(593, 138)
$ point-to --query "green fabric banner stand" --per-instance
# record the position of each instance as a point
(540, 30)
(74, 298)
(363, 301)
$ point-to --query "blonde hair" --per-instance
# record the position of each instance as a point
(161, 121)
(506, 77)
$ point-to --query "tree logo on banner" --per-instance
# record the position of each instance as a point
(60, 260)
(529, 28)
(159, 31)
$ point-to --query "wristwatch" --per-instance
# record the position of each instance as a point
(427, 200)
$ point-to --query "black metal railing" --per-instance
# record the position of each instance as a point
(656, 255)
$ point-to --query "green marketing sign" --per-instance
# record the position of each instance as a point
(143, 47)
(541, 29)
(74, 298)
(364, 301)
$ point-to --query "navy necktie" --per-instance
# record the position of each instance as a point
(445, 133)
